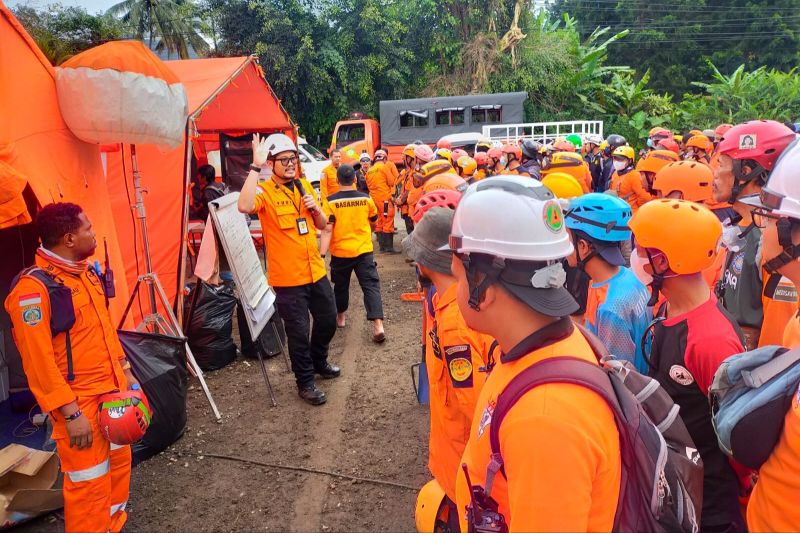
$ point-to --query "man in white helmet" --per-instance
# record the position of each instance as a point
(289, 215)
(558, 443)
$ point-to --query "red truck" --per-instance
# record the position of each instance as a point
(423, 119)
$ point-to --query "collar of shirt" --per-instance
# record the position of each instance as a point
(443, 299)
(550, 334)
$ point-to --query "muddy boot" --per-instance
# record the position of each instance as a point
(390, 243)
(381, 241)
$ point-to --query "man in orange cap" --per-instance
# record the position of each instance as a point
(72, 356)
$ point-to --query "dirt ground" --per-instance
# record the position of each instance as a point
(371, 427)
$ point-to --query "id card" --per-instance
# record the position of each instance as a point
(302, 226)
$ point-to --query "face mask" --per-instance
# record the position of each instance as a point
(650, 143)
(503, 161)
(620, 165)
(637, 265)
(732, 236)
(578, 286)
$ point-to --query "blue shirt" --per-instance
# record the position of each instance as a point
(617, 312)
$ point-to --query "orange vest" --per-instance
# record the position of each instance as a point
(454, 354)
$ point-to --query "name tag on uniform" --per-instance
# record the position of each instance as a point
(302, 226)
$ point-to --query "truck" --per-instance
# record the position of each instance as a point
(426, 120)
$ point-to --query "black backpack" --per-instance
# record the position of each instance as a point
(662, 473)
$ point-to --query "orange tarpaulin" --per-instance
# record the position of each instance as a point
(227, 95)
(36, 143)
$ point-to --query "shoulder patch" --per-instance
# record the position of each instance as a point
(33, 298)
(32, 315)
(459, 364)
(681, 375)
(486, 419)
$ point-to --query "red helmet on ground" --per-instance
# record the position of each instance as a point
(759, 142)
(513, 149)
(443, 143)
(123, 416)
(458, 153)
(437, 198)
(481, 158)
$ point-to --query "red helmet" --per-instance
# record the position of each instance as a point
(124, 416)
(513, 149)
(438, 198)
(760, 142)
(495, 153)
(424, 153)
(563, 145)
(443, 143)
(722, 129)
(481, 158)
(458, 153)
(668, 144)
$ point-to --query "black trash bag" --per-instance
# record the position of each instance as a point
(159, 363)
(210, 325)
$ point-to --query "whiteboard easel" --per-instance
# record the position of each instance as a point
(255, 294)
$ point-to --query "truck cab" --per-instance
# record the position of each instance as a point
(356, 136)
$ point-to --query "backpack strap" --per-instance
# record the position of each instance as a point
(567, 369)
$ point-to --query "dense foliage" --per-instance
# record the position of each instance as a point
(631, 63)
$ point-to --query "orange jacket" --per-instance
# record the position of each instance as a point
(402, 189)
(454, 354)
(96, 350)
(380, 182)
(559, 443)
(775, 501)
(631, 189)
(328, 184)
(779, 309)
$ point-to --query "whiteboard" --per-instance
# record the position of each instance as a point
(256, 295)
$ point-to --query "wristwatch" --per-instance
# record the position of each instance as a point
(73, 416)
(255, 168)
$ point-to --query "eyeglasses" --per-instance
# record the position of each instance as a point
(760, 217)
(287, 161)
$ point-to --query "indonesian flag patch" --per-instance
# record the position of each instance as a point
(33, 298)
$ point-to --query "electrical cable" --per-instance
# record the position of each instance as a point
(133, 225)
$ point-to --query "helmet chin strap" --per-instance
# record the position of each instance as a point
(581, 263)
(740, 179)
(790, 250)
(658, 281)
(476, 289)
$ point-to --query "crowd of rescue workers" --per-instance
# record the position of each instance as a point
(608, 336)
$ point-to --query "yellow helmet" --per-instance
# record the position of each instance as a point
(562, 185)
(430, 502)
(444, 153)
(466, 166)
(625, 151)
(603, 145)
(409, 150)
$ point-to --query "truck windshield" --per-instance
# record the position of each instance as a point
(349, 133)
(313, 152)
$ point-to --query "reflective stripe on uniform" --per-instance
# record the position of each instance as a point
(117, 446)
(117, 507)
(88, 474)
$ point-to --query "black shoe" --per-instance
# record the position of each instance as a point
(312, 394)
(329, 371)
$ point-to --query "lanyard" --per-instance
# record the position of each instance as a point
(284, 189)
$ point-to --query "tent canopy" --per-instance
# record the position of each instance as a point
(226, 95)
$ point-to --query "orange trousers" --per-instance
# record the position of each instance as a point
(385, 223)
(96, 479)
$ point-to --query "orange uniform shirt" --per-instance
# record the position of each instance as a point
(96, 350)
(380, 182)
(454, 356)
(780, 306)
(414, 194)
(479, 174)
(403, 188)
(292, 258)
(631, 189)
(328, 184)
(559, 443)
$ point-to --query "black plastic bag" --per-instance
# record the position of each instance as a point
(210, 325)
(159, 363)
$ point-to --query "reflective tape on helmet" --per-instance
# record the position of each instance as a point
(88, 474)
(117, 507)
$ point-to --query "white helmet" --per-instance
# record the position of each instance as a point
(593, 138)
(278, 142)
(528, 227)
(781, 194)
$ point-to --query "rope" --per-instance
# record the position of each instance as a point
(301, 469)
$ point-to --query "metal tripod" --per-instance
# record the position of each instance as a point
(155, 322)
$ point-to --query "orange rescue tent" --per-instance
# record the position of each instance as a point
(226, 95)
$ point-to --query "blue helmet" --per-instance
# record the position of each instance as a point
(601, 217)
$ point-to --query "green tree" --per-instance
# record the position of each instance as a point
(169, 26)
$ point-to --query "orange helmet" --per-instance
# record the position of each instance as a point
(658, 131)
(466, 166)
(563, 145)
(687, 233)
(512, 149)
(655, 160)
(690, 178)
(443, 143)
(695, 132)
(481, 158)
(447, 180)
(458, 153)
(409, 150)
(123, 417)
(700, 142)
(432, 169)
(437, 198)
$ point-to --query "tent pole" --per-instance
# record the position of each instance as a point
(142, 216)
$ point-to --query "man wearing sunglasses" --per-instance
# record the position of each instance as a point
(760, 302)
(773, 504)
(289, 215)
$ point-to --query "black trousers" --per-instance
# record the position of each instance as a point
(294, 305)
(367, 274)
(409, 224)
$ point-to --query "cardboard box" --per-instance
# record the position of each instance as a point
(30, 484)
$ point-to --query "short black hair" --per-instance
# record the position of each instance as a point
(56, 220)
(336, 151)
(345, 175)
(208, 172)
